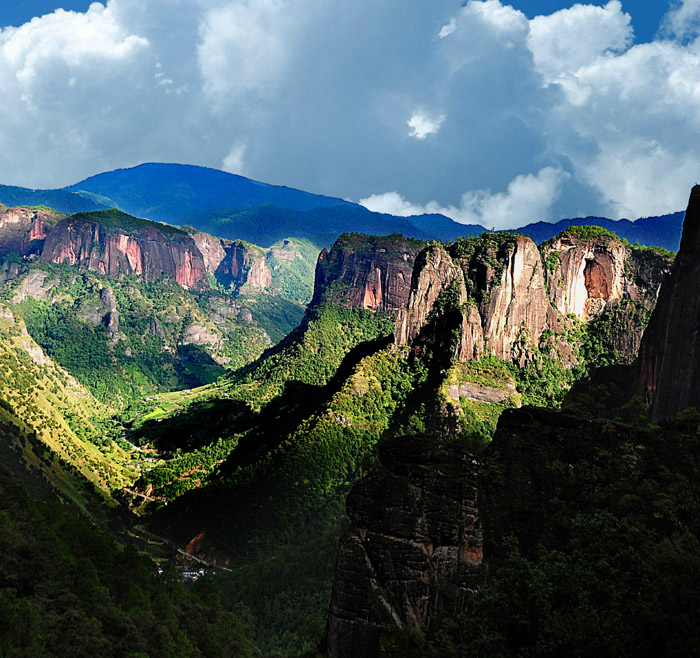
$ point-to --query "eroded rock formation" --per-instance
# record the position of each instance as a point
(414, 552)
(234, 264)
(123, 245)
(584, 274)
(367, 271)
(668, 371)
(24, 230)
(509, 294)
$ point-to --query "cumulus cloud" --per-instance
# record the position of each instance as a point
(529, 198)
(571, 38)
(422, 125)
(556, 116)
(683, 20)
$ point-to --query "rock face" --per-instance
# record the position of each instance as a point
(414, 552)
(114, 243)
(668, 371)
(542, 469)
(234, 264)
(587, 276)
(24, 230)
(584, 274)
(509, 294)
(367, 271)
(498, 284)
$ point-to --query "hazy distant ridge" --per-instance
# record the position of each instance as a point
(236, 207)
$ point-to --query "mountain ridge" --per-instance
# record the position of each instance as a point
(235, 207)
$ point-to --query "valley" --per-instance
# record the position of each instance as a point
(432, 412)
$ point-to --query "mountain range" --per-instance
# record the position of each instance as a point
(235, 207)
(374, 445)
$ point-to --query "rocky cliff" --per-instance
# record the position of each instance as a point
(234, 264)
(668, 370)
(497, 283)
(113, 243)
(513, 296)
(591, 272)
(414, 552)
(367, 271)
(24, 230)
(559, 516)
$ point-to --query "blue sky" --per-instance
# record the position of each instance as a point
(646, 14)
(488, 111)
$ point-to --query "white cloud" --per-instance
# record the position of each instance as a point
(630, 134)
(683, 20)
(233, 162)
(392, 203)
(447, 29)
(529, 198)
(307, 94)
(422, 125)
(571, 38)
(243, 46)
(70, 39)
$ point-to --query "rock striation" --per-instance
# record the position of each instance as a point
(512, 296)
(414, 552)
(497, 283)
(234, 264)
(112, 243)
(369, 272)
(24, 230)
(668, 370)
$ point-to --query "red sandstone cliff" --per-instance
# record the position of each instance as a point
(509, 294)
(113, 243)
(234, 264)
(371, 272)
(24, 230)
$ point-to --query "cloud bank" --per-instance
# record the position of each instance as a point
(473, 111)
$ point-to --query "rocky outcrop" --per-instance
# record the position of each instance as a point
(15, 328)
(414, 552)
(113, 243)
(102, 311)
(437, 280)
(367, 271)
(506, 278)
(24, 230)
(583, 274)
(10, 270)
(588, 276)
(234, 264)
(509, 294)
(498, 285)
(668, 371)
(544, 472)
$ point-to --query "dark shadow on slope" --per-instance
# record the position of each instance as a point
(297, 402)
(201, 424)
(196, 367)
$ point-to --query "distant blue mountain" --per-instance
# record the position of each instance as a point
(61, 200)
(235, 207)
(663, 231)
(167, 192)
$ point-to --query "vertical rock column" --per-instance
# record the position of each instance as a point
(414, 551)
(668, 370)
